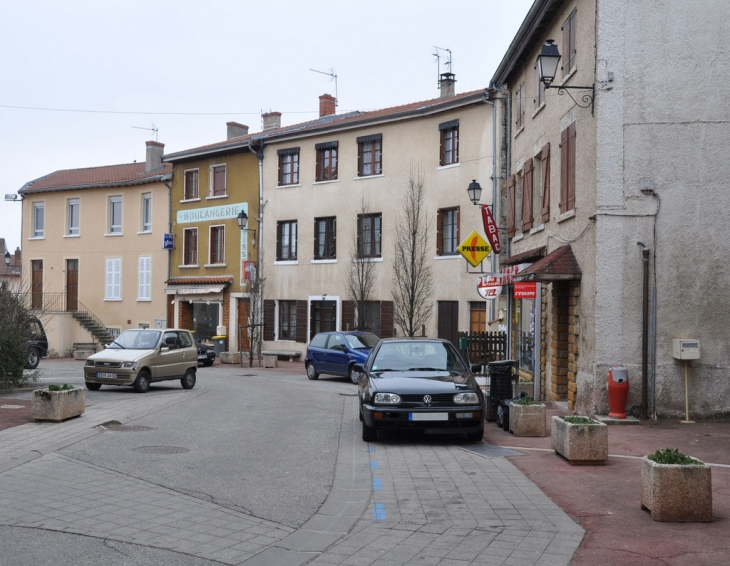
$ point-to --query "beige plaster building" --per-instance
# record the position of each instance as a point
(93, 254)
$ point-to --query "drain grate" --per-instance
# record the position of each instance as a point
(348, 394)
(128, 428)
(160, 450)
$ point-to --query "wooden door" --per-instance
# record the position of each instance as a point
(477, 317)
(36, 284)
(244, 334)
(448, 321)
(72, 284)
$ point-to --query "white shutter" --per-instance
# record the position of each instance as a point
(145, 276)
(114, 278)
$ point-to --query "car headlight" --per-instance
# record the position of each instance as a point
(131, 365)
(469, 398)
(89, 362)
(387, 398)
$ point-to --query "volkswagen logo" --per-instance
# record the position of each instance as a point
(427, 399)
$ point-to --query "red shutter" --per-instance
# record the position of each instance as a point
(348, 315)
(439, 232)
(269, 319)
(386, 319)
(546, 183)
(301, 321)
(564, 170)
(527, 196)
(511, 206)
(571, 167)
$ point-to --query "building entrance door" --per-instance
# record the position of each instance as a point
(323, 317)
(72, 284)
(205, 320)
(36, 299)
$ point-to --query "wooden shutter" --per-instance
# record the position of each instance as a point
(334, 238)
(566, 46)
(511, 206)
(571, 167)
(359, 159)
(386, 319)
(219, 181)
(564, 170)
(439, 232)
(527, 196)
(301, 335)
(442, 146)
(348, 315)
(546, 182)
(278, 242)
(269, 319)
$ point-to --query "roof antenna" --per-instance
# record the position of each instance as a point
(152, 129)
(334, 77)
(447, 64)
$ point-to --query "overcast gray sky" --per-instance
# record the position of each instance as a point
(189, 67)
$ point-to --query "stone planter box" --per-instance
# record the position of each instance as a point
(58, 406)
(675, 492)
(270, 361)
(527, 420)
(230, 357)
(580, 444)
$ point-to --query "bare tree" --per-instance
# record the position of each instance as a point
(362, 272)
(255, 286)
(412, 283)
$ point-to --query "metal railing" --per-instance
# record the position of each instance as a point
(57, 303)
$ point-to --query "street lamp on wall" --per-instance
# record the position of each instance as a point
(475, 191)
(547, 68)
(7, 258)
(242, 220)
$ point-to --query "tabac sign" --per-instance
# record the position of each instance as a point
(474, 249)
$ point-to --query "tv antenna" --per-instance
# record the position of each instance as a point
(152, 129)
(334, 77)
(438, 54)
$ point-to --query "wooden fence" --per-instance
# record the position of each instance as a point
(484, 347)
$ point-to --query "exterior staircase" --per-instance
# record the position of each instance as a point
(58, 303)
(93, 324)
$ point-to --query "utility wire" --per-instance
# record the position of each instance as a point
(150, 113)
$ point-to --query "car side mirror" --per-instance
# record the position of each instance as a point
(164, 349)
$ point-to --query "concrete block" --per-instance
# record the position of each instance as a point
(527, 420)
(58, 406)
(271, 362)
(230, 358)
(580, 444)
(679, 493)
(82, 354)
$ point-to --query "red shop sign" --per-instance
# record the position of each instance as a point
(525, 290)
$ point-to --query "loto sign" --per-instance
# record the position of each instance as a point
(489, 286)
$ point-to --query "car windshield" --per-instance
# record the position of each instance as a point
(361, 341)
(417, 355)
(142, 339)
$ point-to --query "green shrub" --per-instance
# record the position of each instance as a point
(579, 420)
(673, 456)
(526, 401)
(64, 387)
(15, 325)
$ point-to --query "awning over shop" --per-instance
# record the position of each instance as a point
(194, 289)
(559, 265)
(525, 257)
(197, 285)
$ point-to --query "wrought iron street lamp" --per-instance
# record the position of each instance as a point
(242, 220)
(7, 258)
(547, 68)
(475, 191)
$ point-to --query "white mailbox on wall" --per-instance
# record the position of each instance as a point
(685, 349)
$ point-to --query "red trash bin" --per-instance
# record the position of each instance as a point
(618, 392)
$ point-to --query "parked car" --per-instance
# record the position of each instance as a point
(37, 344)
(139, 357)
(206, 353)
(420, 384)
(336, 353)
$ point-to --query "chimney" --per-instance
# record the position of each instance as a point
(447, 84)
(236, 130)
(327, 104)
(272, 120)
(16, 259)
(154, 155)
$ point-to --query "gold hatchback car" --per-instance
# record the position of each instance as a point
(138, 357)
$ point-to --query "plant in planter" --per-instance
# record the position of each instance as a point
(527, 417)
(58, 403)
(580, 440)
(675, 487)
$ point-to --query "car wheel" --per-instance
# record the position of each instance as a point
(142, 383)
(34, 358)
(354, 375)
(475, 436)
(369, 434)
(93, 386)
(188, 380)
(311, 372)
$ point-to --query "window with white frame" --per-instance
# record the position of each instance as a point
(39, 219)
(147, 212)
(218, 181)
(286, 240)
(72, 217)
(115, 215)
(113, 279)
(145, 279)
(217, 243)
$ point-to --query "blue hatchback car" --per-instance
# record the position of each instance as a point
(336, 353)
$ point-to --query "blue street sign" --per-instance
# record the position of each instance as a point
(168, 241)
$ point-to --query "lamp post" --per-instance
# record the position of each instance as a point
(255, 294)
(547, 68)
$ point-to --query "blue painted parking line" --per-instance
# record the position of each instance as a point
(377, 484)
(379, 512)
(374, 464)
(371, 450)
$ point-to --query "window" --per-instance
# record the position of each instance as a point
(38, 219)
(449, 142)
(569, 47)
(72, 217)
(190, 247)
(539, 90)
(369, 155)
(368, 235)
(191, 185)
(325, 238)
(113, 279)
(527, 195)
(115, 215)
(567, 169)
(145, 278)
(286, 240)
(147, 212)
(520, 106)
(217, 234)
(447, 231)
(287, 320)
(326, 161)
(218, 181)
(289, 166)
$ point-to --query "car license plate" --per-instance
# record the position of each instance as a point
(102, 375)
(428, 416)
(203, 357)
